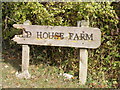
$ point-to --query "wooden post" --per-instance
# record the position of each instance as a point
(25, 52)
(25, 58)
(83, 58)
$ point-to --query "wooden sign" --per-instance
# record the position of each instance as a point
(80, 37)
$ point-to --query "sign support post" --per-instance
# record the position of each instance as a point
(83, 60)
(25, 59)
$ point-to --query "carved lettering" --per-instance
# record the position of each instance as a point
(45, 35)
(81, 36)
(62, 35)
(39, 35)
(51, 35)
(56, 35)
(89, 37)
(76, 37)
(70, 36)
(29, 34)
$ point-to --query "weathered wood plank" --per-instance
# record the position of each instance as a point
(25, 61)
(83, 65)
(83, 58)
(80, 37)
(25, 57)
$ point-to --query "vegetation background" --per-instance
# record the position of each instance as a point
(103, 62)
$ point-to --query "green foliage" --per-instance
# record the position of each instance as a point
(103, 66)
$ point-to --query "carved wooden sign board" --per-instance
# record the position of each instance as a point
(80, 37)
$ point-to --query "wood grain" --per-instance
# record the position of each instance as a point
(66, 42)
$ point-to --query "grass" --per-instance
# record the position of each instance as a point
(42, 75)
